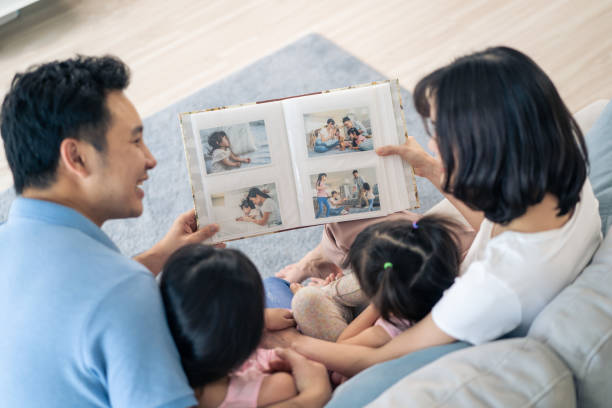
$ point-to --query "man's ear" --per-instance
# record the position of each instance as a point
(76, 156)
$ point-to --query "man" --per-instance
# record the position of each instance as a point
(350, 124)
(83, 325)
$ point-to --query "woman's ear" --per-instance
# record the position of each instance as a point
(75, 157)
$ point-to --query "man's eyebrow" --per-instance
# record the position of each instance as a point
(137, 130)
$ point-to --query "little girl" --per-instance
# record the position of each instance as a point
(250, 213)
(322, 195)
(402, 268)
(214, 302)
(222, 156)
(368, 195)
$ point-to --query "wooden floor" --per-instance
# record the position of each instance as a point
(175, 48)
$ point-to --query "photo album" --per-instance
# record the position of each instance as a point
(299, 161)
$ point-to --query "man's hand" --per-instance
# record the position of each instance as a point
(311, 379)
(278, 319)
(423, 163)
(182, 232)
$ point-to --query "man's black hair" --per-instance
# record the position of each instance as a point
(51, 102)
(214, 302)
(505, 136)
(346, 119)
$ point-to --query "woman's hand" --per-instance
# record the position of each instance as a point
(278, 319)
(423, 163)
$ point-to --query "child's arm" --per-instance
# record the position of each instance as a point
(278, 318)
(349, 359)
(230, 163)
(365, 320)
(275, 388)
(237, 158)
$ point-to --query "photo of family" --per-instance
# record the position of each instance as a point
(338, 131)
(247, 210)
(233, 147)
(345, 192)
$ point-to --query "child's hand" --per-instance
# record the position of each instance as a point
(278, 319)
(247, 160)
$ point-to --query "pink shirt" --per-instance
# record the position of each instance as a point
(322, 190)
(245, 382)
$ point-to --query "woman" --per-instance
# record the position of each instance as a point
(513, 162)
(270, 214)
(328, 137)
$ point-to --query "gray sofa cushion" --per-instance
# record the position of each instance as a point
(507, 373)
(577, 324)
(599, 144)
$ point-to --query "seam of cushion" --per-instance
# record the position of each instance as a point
(595, 351)
(545, 391)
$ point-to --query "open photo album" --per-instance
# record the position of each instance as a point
(300, 161)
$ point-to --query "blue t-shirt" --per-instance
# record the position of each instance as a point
(81, 324)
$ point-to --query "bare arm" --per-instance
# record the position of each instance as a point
(263, 220)
(431, 168)
(374, 336)
(237, 158)
(366, 319)
(348, 359)
(230, 163)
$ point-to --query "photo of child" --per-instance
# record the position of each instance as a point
(248, 210)
(236, 146)
(345, 192)
(338, 131)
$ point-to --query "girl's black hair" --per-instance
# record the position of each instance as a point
(214, 302)
(505, 136)
(353, 131)
(320, 177)
(330, 120)
(214, 140)
(254, 191)
(366, 186)
(247, 203)
(404, 270)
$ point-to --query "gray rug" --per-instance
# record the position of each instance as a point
(295, 69)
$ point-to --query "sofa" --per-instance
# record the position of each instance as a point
(564, 361)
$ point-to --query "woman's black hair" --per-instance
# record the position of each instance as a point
(504, 135)
(330, 120)
(214, 140)
(346, 119)
(254, 191)
(320, 177)
(366, 186)
(214, 302)
(403, 268)
(247, 203)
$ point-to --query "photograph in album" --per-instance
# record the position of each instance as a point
(232, 147)
(250, 210)
(338, 131)
(345, 192)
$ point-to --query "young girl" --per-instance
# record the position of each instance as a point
(222, 156)
(322, 195)
(250, 213)
(401, 267)
(214, 302)
(368, 195)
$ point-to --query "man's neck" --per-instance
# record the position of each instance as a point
(55, 194)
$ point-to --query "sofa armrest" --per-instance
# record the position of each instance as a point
(506, 373)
